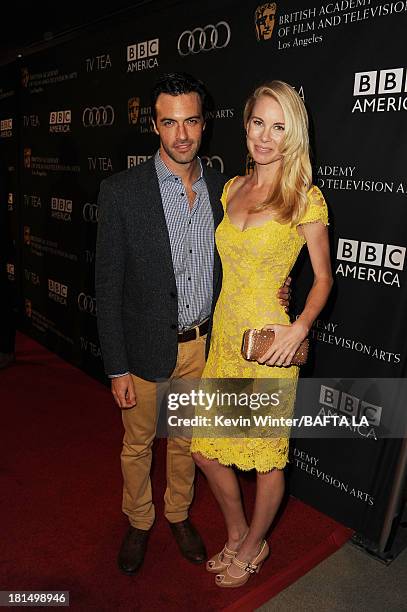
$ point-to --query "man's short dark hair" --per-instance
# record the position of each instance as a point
(175, 84)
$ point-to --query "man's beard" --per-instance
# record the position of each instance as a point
(180, 158)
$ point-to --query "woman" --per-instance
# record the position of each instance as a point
(269, 216)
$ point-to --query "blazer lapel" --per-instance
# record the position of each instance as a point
(214, 198)
(217, 210)
(149, 190)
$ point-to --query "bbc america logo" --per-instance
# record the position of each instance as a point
(206, 38)
(6, 128)
(143, 55)
(387, 259)
(60, 121)
(350, 406)
(58, 292)
(61, 209)
(380, 90)
(136, 160)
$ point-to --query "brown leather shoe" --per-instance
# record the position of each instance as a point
(189, 541)
(132, 550)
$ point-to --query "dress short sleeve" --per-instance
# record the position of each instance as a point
(317, 209)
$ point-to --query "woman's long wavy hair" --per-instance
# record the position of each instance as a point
(288, 196)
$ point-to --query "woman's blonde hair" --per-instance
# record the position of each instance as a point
(288, 197)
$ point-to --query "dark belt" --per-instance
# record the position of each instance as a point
(194, 332)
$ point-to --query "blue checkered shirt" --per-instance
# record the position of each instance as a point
(191, 233)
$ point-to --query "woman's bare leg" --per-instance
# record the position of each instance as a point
(225, 487)
(269, 493)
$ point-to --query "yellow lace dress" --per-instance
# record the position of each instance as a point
(255, 262)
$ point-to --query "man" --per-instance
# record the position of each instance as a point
(157, 278)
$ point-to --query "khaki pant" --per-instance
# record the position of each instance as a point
(140, 425)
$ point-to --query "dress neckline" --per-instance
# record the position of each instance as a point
(250, 227)
(238, 229)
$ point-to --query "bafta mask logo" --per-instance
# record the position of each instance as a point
(133, 110)
(264, 17)
(28, 308)
(249, 164)
(25, 76)
(27, 235)
(27, 157)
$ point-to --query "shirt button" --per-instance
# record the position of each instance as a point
(187, 305)
(189, 278)
(190, 250)
(182, 194)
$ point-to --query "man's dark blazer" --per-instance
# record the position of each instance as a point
(136, 292)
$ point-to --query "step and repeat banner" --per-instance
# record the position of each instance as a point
(10, 264)
(80, 111)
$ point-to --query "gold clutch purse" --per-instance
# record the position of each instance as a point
(256, 342)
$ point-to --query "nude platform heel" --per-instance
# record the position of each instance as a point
(252, 567)
(221, 561)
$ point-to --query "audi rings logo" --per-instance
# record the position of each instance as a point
(90, 213)
(214, 162)
(87, 303)
(98, 116)
(207, 38)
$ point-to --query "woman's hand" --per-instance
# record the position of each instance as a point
(287, 340)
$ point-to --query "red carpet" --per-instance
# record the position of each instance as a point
(61, 519)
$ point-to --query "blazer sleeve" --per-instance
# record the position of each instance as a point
(109, 280)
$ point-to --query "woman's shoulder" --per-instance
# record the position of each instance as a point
(315, 196)
(317, 209)
(231, 186)
(236, 181)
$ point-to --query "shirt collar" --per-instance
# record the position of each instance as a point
(163, 173)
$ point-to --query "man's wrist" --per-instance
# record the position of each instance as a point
(117, 375)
